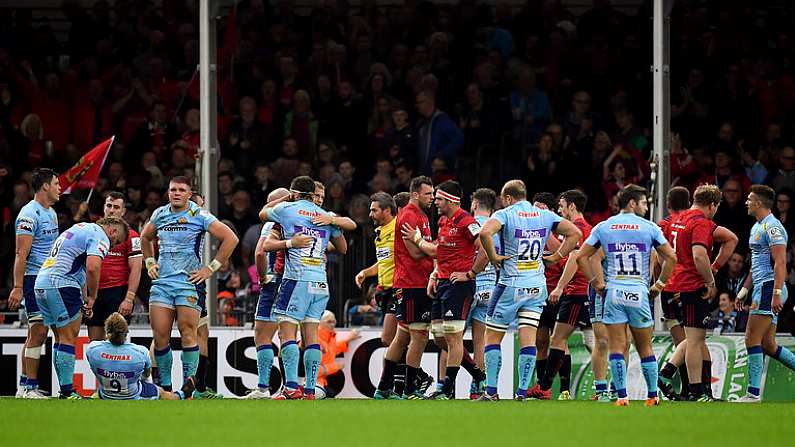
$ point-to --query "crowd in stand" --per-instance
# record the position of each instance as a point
(364, 98)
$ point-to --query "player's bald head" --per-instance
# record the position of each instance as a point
(515, 189)
(278, 193)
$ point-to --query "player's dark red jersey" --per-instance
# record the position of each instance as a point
(411, 273)
(690, 228)
(665, 227)
(552, 272)
(115, 270)
(578, 286)
(455, 251)
(278, 264)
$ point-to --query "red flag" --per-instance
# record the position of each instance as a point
(85, 173)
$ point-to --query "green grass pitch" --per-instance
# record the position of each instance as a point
(236, 423)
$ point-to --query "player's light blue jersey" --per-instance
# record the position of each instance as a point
(42, 224)
(627, 240)
(266, 231)
(523, 236)
(765, 234)
(304, 264)
(119, 369)
(181, 241)
(488, 277)
(66, 264)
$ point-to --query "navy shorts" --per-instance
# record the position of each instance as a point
(671, 306)
(455, 299)
(573, 310)
(414, 306)
(29, 298)
(267, 300)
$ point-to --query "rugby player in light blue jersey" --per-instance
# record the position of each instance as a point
(521, 289)
(269, 259)
(768, 243)
(483, 202)
(121, 367)
(178, 275)
(628, 240)
(303, 294)
(73, 265)
(36, 230)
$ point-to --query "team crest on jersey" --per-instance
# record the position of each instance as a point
(775, 232)
(192, 299)
(25, 224)
(193, 213)
(182, 220)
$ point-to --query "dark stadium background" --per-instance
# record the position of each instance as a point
(557, 93)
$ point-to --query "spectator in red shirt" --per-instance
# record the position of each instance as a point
(93, 117)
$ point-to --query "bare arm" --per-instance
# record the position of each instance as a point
(366, 273)
(24, 242)
(135, 277)
(261, 260)
(274, 241)
(93, 266)
(413, 245)
(571, 235)
(227, 237)
(263, 214)
(340, 244)
(728, 241)
(701, 260)
(668, 256)
(487, 232)
(148, 236)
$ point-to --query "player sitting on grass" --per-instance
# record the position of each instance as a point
(121, 367)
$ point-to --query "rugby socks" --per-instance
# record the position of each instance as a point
(649, 367)
(264, 364)
(451, 373)
(411, 380)
(706, 376)
(525, 365)
(756, 361)
(554, 363)
(190, 361)
(600, 386)
(201, 373)
(785, 356)
(311, 366)
(65, 367)
(23, 379)
(618, 371)
(667, 372)
(493, 357)
(683, 377)
(388, 376)
(440, 384)
(156, 375)
(290, 355)
(164, 360)
(400, 375)
(469, 365)
(541, 368)
(565, 373)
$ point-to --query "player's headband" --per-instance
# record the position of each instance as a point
(294, 191)
(447, 196)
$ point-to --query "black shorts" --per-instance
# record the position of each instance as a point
(436, 308)
(108, 301)
(386, 301)
(549, 315)
(573, 310)
(671, 306)
(455, 299)
(414, 306)
(695, 310)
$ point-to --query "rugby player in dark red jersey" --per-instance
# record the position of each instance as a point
(412, 270)
(692, 235)
(120, 273)
(547, 201)
(573, 307)
(453, 285)
(677, 201)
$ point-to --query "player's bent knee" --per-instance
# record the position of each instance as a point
(528, 319)
(454, 327)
